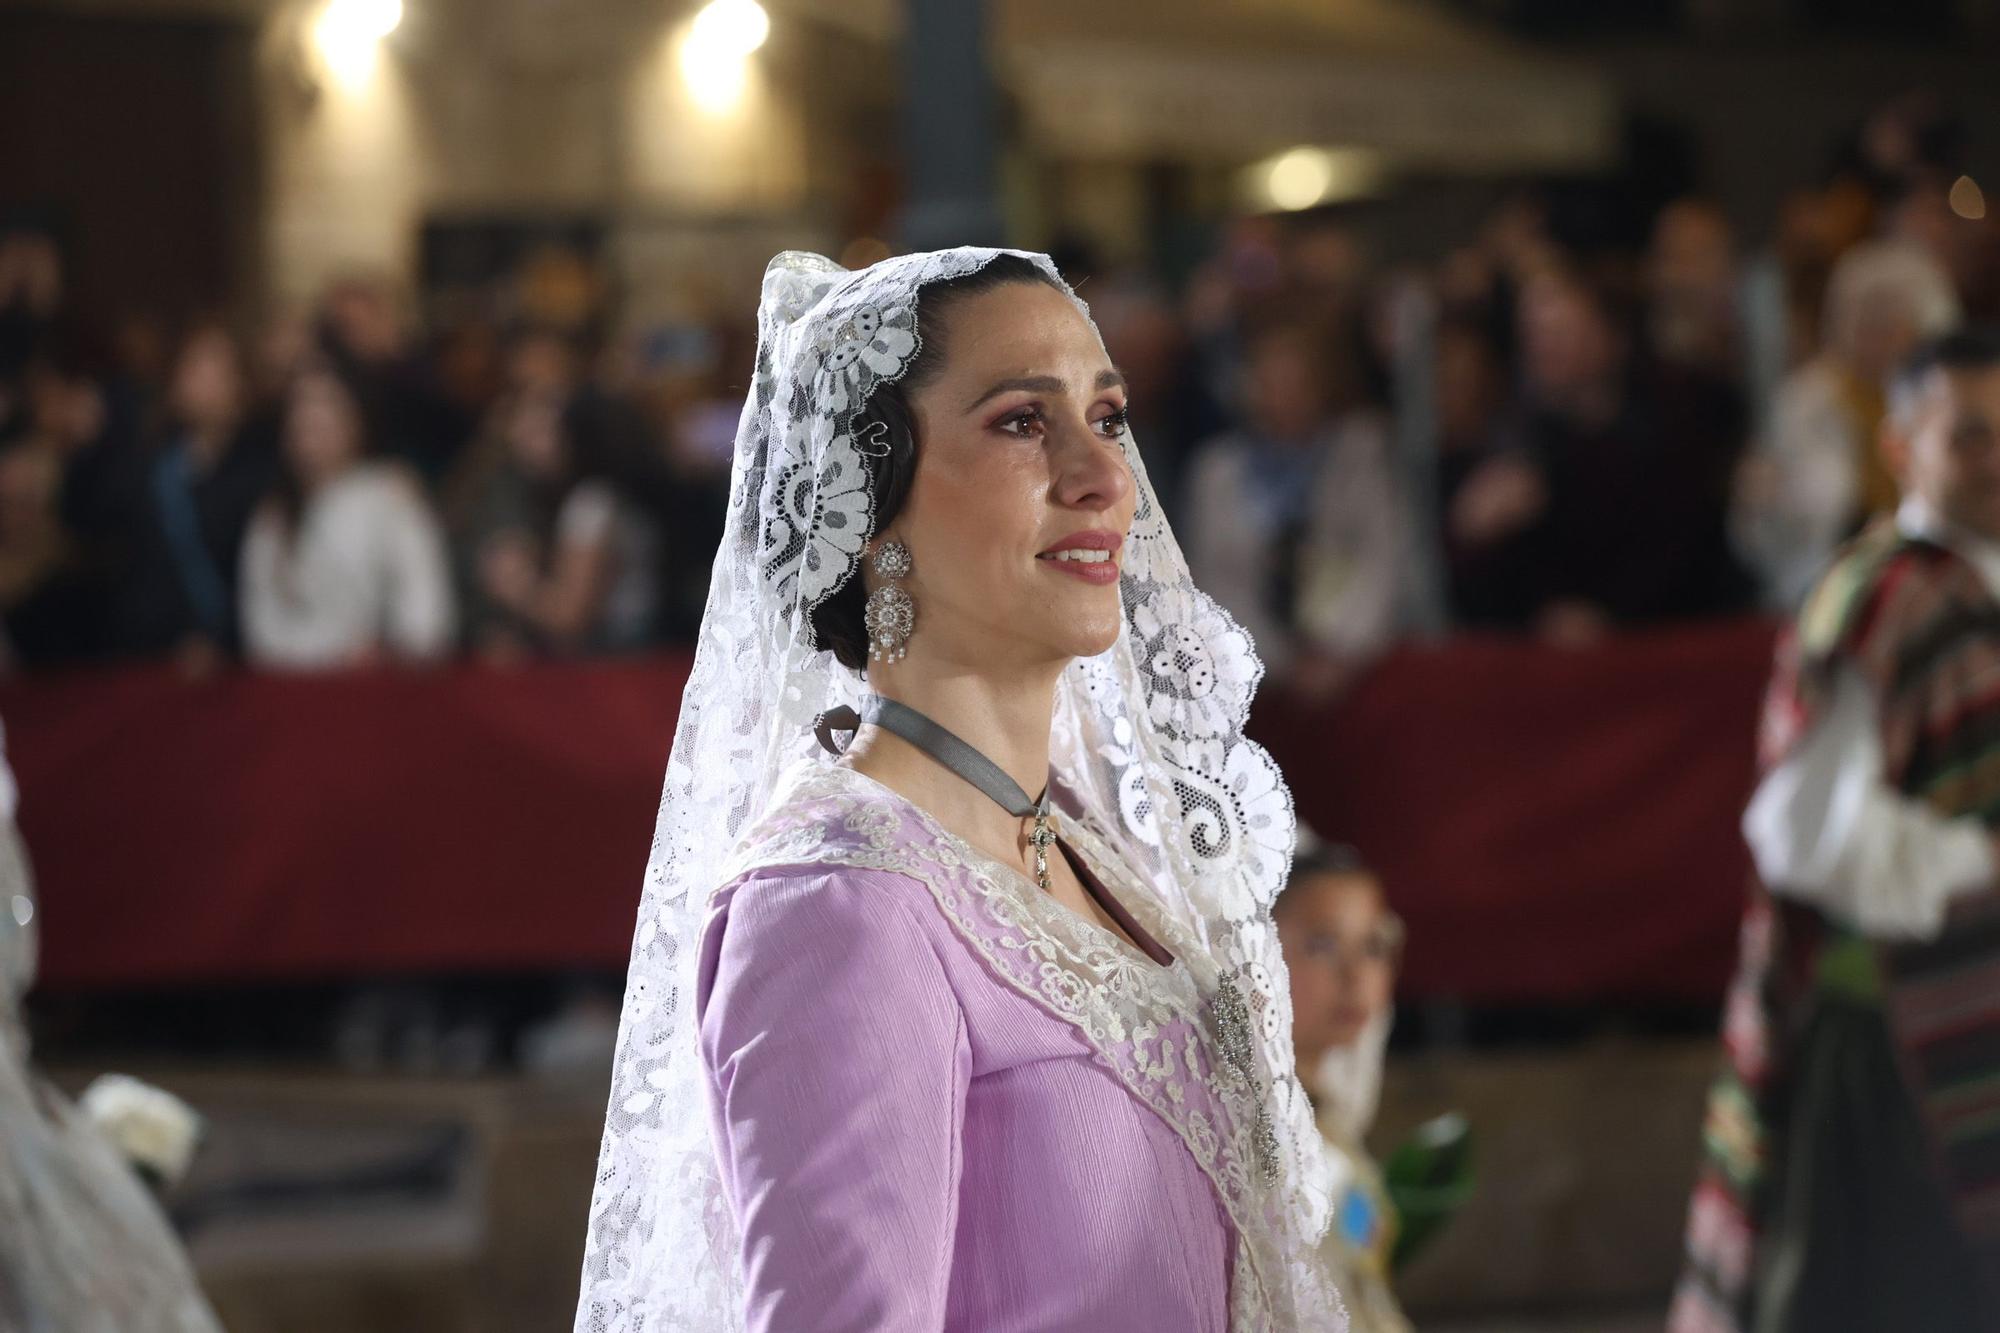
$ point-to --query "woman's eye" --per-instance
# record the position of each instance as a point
(1115, 425)
(1026, 424)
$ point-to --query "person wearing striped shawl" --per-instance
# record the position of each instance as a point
(1850, 1177)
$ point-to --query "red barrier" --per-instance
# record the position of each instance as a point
(1550, 824)
(266, 826)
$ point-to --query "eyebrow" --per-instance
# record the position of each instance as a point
(1106, 379)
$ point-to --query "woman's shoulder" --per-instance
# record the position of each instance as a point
(824, 892)
(1365, 431)
(266, 529)
(822, 812)
(845, 926)
(379, 484)
(829, 843)
(588, 513)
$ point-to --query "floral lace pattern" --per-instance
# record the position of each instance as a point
(1169, 800)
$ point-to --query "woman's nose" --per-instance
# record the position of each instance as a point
(1091, 472)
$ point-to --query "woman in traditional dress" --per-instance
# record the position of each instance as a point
(978, 1019)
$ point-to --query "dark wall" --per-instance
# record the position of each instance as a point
(1763, 120)
(135, 140)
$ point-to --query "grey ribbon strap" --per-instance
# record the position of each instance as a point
(953, 752)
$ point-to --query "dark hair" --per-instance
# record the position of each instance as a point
(1329, 858)
(888, 423)
(1976, 347)
(1973, 348)
(1314, 858)
(288, 487)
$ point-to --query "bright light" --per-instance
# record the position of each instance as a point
(1304, 177)
(730, 27)
(716, 83)
(1967, 199)
(715, 53)
(1300, 178)
(348, 30)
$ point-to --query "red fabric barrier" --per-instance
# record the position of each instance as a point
(1552, 825)
(267, 827)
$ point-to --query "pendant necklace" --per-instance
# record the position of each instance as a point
(955, 754)
(1234, 1033)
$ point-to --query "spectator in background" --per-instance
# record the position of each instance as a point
(1692, 292)
(280, 349)
(63, 447)
(1342, 946)
(1694, 374)
(1474, 429)
(186, 507)
(1816, 476)
(1606, 511)
(1170, 415)
(1965, 244)
(363, 332)
(559, 559)
(73, 409)
(1815, 228)
(46, 601)
(687, 384)
(1295, 522)
(31, 292)
(465, 369)
(1227, 294)
(344, 564)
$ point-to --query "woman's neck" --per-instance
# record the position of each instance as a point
(314, 480)
(207, 441)
(1007, 720)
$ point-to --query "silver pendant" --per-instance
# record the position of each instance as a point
(1040, 839)
(1234, 1040)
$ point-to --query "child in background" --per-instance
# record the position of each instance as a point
(1342, 946)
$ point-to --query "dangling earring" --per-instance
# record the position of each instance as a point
(890, 613)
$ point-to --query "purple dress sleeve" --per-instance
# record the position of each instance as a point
(838, 1063)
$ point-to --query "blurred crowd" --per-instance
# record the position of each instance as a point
(342, 487)
(1591, 416)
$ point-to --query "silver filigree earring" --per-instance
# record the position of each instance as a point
(890, 613)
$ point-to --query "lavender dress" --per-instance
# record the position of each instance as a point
(942, 1100)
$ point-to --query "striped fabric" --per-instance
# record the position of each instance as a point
(1944, 1007)
(1924, 629)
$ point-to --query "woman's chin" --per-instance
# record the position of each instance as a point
(1056, 629)
(1090, 640)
